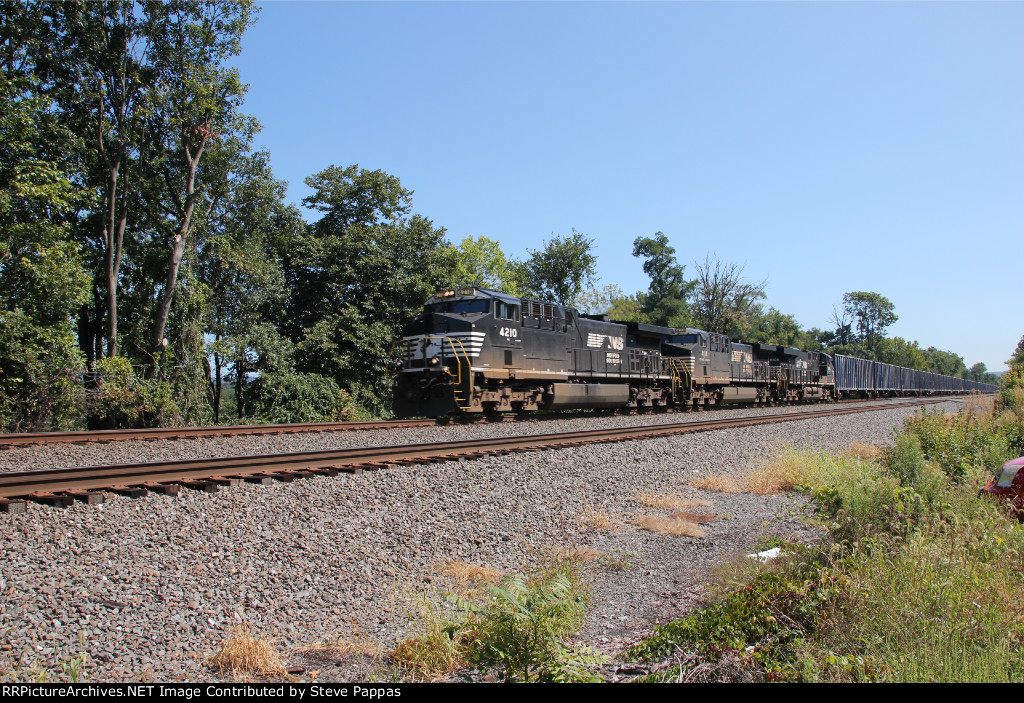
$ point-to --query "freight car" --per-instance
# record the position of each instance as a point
(482, 351)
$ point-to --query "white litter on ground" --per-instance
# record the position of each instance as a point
(767, 554)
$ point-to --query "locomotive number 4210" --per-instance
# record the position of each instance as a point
(509, 332)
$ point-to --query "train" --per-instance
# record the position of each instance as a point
(480, 351)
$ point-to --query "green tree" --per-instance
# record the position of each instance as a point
(358, 276)
(871, 313)
(945, 363)
(776, 328)
(900, 352)
(562, 269)
(1017, 360)
(665, 302)
(978, 372)
(42, 278)
(481, 263)
(240, 267)
(196, 127)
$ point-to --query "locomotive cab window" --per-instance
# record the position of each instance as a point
(504, 311)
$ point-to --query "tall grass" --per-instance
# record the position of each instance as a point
(920, 579)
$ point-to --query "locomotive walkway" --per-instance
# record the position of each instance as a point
(60, 487)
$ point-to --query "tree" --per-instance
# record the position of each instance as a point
(665, 302)
(872, 313)
(194, 123)
(723, 301)
(240, 267)
(978, 372)
(42, 278)
(358, 276)
(481, 263)
(146, 84)
(560, 271)
(945, 363)
(775, 328)
(900, 352)
(1017, 360)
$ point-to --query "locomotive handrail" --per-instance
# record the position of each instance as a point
(458, 380)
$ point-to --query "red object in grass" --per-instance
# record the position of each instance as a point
(1009, 482)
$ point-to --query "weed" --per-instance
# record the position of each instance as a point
(864, 452)
(671, 501)
(467, 575)
(698, 518)
(517, 629)
(669, 526)
(521, 632)
(918, 580)
(436, 651)
(243, 654)
(598, 519)
(718, 484)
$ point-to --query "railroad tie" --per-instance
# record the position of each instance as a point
(87, 497)
(129, 491)
(55, 500)
(13, 507)
(167, 489)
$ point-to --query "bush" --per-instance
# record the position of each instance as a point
(517, 629)
(285, 396)
(40, 375)
(919, 580)
(956, 442)
(122, 398)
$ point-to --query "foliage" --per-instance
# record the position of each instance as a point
(481, 263)
(357, 277)
(873, 314)
(957, 442)
(665, 302)
(123, 398)
(42, 278)
(562, 269)
(919, 581)
(281, 396)
(1017, 360)
(40, 375)
(517, 629)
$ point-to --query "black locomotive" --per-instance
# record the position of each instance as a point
(481, 351)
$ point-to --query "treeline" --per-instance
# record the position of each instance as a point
(152, 272)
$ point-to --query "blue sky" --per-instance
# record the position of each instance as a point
(829, 147)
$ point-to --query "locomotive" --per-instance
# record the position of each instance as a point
(483, 351)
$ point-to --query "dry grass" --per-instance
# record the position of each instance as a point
(343, 647)
(699, 518)
(864, 452)
(669, 526)
(597, 519)
(670, 501)
(243, 655)
(436, 651)
(472, 575)
(579, 554)
(719, 484)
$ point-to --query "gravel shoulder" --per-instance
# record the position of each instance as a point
(149, 587)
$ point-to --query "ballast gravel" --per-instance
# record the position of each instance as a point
(28, 457)
(148, 588)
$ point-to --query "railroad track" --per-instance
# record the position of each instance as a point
(83, 437)
(22, 439)
(60, 487)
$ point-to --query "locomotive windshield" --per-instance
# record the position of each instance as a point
(463, 307)
(683, 339)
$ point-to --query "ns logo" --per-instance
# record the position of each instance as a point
(596, 341)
